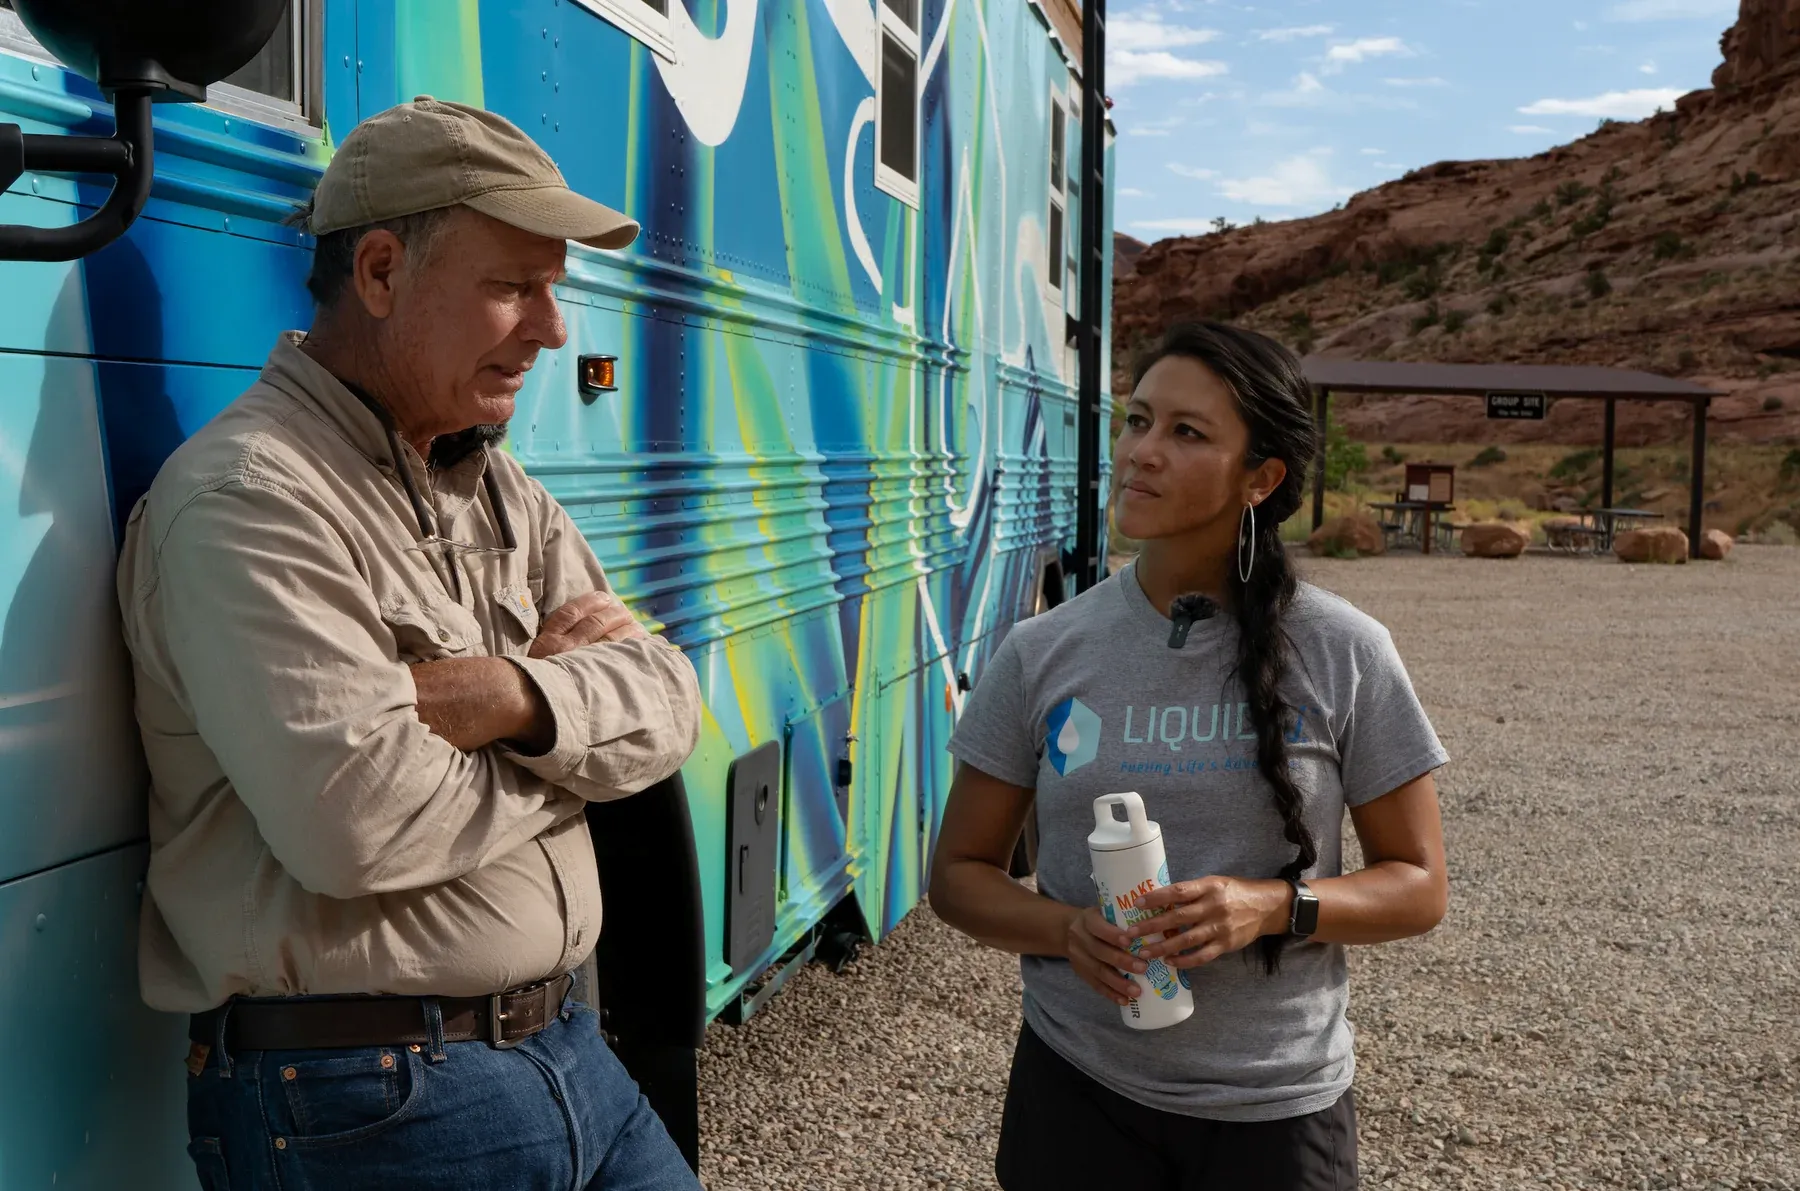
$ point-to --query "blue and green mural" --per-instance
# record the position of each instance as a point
(840, 455)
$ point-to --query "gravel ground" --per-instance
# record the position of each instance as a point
(1613, 1001)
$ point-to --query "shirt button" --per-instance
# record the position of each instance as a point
(443, 634)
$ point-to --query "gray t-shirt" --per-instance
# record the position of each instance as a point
(1170, 724)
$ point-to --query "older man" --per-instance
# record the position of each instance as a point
(379, 672)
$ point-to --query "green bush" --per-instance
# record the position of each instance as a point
(1687, 361)
(1573, 465)
(1343, 458)
(1430, 318)
(1771, 404)
(1424, 283)
(1488, 457)
(1455, 321)
(1497, 305)
(1790, 466)
(1597, 284)
(1571, 192)
(1668, 246)
(1393, 454)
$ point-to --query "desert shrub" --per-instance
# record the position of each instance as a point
(1343, 458)
(1488, 457)
(1571, 192)
(1790, 466)
(1667, 247)
(1430, 318)
(1597, 284)
(1575, 463)
(1771, 404)
(1393, 454)
(1455, 321)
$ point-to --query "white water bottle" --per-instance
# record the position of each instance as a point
(1129, 862)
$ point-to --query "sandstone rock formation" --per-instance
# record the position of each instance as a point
(1358, 534)
(1671, 244)
(1658, 543)
(1494, 539)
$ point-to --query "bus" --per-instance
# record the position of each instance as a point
(824, 424)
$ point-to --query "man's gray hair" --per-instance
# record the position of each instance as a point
(334, 253)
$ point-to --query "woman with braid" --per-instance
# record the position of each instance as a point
(1249, 710)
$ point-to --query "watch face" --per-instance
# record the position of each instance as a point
(1306, 914)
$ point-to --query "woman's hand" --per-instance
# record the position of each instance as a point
(1210, 917)
(1097, 951)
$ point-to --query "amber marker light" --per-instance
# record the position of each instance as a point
(598, 374)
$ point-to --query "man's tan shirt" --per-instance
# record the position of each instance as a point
(308, 834)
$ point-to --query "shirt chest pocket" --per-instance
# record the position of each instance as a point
(431, 632)
(517, 615)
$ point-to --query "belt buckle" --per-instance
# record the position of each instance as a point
(496, 1026)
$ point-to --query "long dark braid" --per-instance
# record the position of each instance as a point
(1276, 404)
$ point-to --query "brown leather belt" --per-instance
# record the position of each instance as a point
(321, 1023)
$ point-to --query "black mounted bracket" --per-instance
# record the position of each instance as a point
(137, 52)
(126, 155)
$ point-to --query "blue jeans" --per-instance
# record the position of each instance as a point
(557, 1111)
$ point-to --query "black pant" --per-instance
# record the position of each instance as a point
(1062, 1131)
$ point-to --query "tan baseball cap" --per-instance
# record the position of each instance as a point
(431, 153)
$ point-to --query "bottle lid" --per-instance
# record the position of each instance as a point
(1111, 833)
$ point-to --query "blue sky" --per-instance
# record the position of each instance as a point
(1283, 110)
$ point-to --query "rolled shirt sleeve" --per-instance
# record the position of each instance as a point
(627, 713)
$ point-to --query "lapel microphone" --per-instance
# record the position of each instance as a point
(1185, 611)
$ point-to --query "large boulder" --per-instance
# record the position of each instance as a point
(1357, 535)
(1495, 539)
(1715, 544)
(1657, 543)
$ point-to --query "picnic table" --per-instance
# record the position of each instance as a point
(1594, 529)
(1608, 522)
(1410, 520)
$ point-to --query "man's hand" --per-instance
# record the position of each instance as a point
(585, 620)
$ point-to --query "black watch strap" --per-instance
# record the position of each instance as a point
(1303, 918)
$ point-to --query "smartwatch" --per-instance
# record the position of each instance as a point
(1303, 919)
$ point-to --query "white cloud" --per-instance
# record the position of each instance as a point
(1178, 226)
(1188, 171)
(1146, 31)
(1530, 130)
(1431, 82)
(1160, 127)
(1125, 67)
(1373, 152)
(1294, 33)
(1389, 165)
(1671, 10)
(1615, 105)
(1132, 192)
(1302, 181)
(1307, 90)
(1648, 68)
(1581, 26)
(1363, 49)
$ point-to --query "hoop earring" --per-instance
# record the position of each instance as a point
(1245, 567)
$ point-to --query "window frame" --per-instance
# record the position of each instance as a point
(1056, 255)
(639, 21)
(303, 117)
(887, 180)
